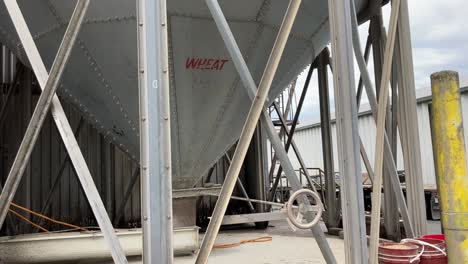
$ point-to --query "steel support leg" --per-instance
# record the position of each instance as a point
(388, 158)
(66, 132)
(332, 215)
(391, 215)
(249, 84)
(380, 138)
(347, 132)
(155, 132)
(407, 98)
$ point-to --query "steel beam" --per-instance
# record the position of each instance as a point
(253, 218)
(332, 213)
(360, 83)
(66, 133)
(352, 199)
(380, 138)
(390, 165)
(43, 104)
(391, 215)
(155, 132)
(250, 86)
(409, 128)
(249, 128)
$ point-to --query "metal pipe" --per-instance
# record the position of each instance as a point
(155, 132)
(42, 108)
(66, 132)
(249, 84)
(447, 126)
(249, 128)
(352, 199)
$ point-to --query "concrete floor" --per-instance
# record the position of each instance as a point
(286, 247)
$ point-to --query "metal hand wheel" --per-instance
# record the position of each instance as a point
(304, 208)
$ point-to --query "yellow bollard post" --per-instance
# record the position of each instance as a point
(449, 149)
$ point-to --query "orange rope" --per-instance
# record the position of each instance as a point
(257, 240)
(48, 218)
(27, 220)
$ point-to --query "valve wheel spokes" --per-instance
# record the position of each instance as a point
(304, 209)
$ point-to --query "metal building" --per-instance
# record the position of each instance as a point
(308, 138)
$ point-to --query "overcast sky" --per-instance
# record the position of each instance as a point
(439, 32)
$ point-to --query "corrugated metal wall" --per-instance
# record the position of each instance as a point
(111, 168)
(308, 139)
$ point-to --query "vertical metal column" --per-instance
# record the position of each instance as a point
(409, 125)
(256, 176)
(380, 142)
(388, 158)
(347, 132)
(391, 215)
(327, 147)
(450, 153)
(155, 140)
